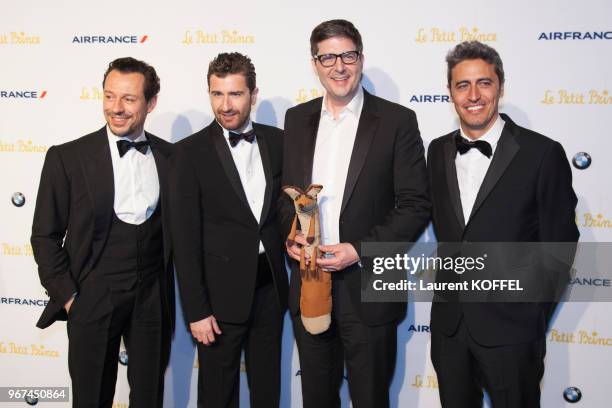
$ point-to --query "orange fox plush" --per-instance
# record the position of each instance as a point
(315, 296)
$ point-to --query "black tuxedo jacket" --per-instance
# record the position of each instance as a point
(526, 196)
(385, 197)
(215, 234)
(73, 214)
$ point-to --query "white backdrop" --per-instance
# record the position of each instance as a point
(50, 92)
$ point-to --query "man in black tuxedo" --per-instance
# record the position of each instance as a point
(368, 155)
(101, 240)
(229, 254)
(493, 181)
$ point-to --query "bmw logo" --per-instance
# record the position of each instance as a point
(582, 160)
(18, 199)
(31, 400)
(123, 357)
(572, 394)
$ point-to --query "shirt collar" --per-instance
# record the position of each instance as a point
(246, 128)
(492, 135)
(354, 106)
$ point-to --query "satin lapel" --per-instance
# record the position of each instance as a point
(310, 141)
(227, 162)
(163, 167)
(98, 170)
(366, 129)
(507, 147)
(450, 152)
(264, 153)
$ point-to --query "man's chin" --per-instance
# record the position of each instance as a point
(120, 132)
(233, 125)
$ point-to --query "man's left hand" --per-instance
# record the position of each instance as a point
(344, 255)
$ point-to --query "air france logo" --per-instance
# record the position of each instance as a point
(575, 35)
(425, 98)
(21, 94)
(572, 394)
(582, 160)
(110, 39)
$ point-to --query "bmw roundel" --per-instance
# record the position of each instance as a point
(582, 160)
(572, 394)
(123, 357)
(18, 199)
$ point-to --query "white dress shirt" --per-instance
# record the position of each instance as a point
(136, 181)
(250, 168)
(473, 165)
(334, 146)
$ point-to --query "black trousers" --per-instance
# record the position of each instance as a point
(98, 319)
(260, 338)
(510, 374)
(369, 353)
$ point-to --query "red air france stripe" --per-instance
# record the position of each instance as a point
(144, 38)
(43, 94)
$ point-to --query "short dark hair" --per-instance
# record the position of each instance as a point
(471, 50)
(128, 65)
(233, 63)
(334, 28)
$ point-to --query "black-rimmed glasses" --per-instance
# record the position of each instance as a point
(329, 60)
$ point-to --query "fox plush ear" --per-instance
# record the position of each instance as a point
(314, 189)
(292, 192)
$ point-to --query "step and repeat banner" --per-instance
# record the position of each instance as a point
(557, 57)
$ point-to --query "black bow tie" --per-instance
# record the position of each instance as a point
(125, 145)
(235, 137)
(463, 146)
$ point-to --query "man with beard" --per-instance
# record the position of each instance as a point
(229, 258)
(101, 239)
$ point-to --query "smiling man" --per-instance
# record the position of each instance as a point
(229, 255)
(493, 181)
(101, 240)
(368, 155)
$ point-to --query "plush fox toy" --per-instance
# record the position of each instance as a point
(315, 296)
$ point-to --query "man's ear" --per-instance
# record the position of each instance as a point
(254, 96)
(151, 104)
(292, 192)
(314, 189)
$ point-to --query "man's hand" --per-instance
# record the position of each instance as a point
(344, 256)
(295, 249)
(68, 304)
(204, 330)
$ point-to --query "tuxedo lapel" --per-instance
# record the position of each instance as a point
(264, 153)
(310, 141)
(507, 147)
(366, 129)
(227, 162)
(450, 152)
(98, 171)
(162, 163)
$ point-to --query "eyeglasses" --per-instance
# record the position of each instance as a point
(329, 60)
